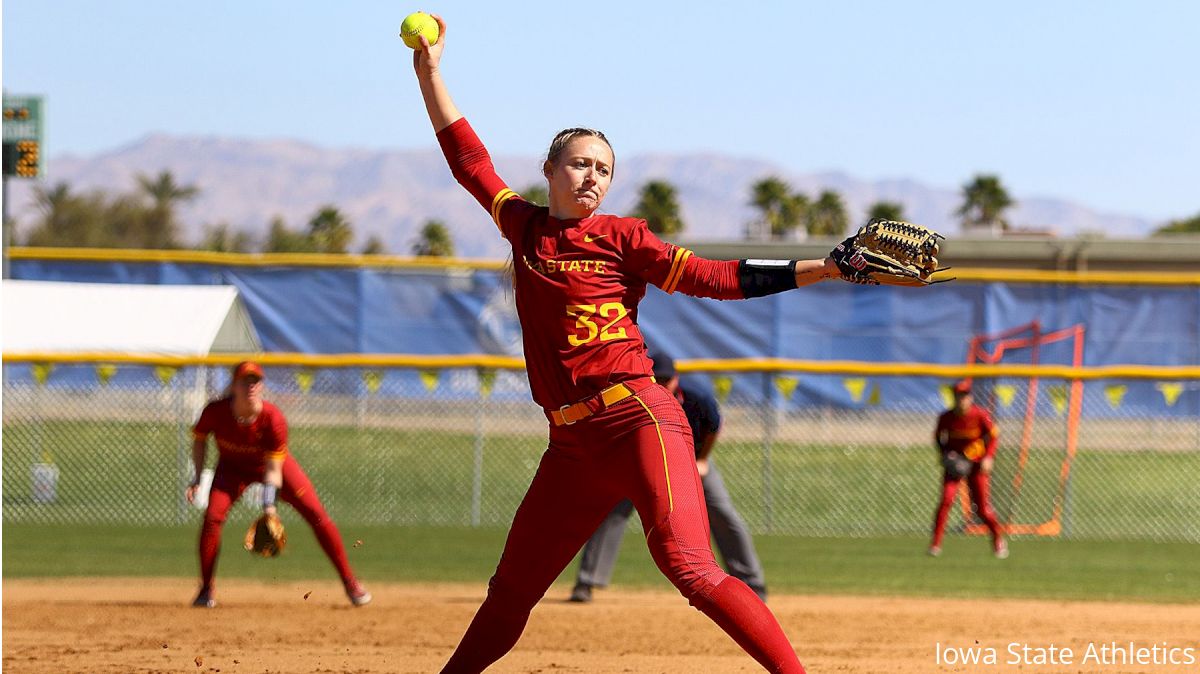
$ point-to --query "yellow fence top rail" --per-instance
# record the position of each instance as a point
(763, 365)
(249, 259)
(974, 275)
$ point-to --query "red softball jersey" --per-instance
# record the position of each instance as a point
(245, 446)
(971, 434)
(578, 282)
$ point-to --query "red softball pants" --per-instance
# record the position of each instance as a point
(297, 491)
(979, 484)
(640, 449)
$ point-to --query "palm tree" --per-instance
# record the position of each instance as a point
(434, 240)
(888, 210)
(282, 239)
(984, 202)
(374, 246)
(536, 194)
(1190, 225)
(223, 238)
(827, 215)
(781, 210)
(659, 207)
(329, 230)
(159, 227)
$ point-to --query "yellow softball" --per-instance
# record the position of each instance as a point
(417, 24)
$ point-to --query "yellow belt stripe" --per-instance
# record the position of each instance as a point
(498, 201)
(676, 270)
(663, 446)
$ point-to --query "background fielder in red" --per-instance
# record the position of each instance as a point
(252, 437)
(614, 433)
(967, 429)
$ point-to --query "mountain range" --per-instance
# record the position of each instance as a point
(391, 193)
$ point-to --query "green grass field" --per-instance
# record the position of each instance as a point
(133, 473)
(838, 519)
(1038, 568)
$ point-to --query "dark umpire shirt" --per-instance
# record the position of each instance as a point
(702, 413)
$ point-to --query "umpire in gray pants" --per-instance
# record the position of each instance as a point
(728, 528)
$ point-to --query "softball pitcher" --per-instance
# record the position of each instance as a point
(614, 433)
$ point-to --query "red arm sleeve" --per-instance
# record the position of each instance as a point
(204, 425)
(673, 268)
(278, 448)
(471, 166)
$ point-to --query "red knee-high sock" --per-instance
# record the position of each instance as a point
(494, 630)
(331, 542)
(939, 523)
(210, 546)
(735, 608)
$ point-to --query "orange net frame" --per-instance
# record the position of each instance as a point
(1028, 341)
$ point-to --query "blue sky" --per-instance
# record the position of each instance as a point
(1095, 102)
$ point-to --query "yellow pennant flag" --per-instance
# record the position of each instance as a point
(304, 380)
(104, 372)
(1115, 393)
(487, 381)
(856, 388)
(873, 399)
(947, 393)
(1058, 398)
(372, 380)
(430, 379)
(41, 372)
(165, 373)
(722, 386)
(1170, 391)
(1006, 393)
(786, 386)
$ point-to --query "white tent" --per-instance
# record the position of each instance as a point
(46, 316)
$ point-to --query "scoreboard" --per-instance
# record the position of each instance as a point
(23, 121)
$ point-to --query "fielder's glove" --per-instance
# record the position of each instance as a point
(956, 465)
(889, 252)
(266, 536)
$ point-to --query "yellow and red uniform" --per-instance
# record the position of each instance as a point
(972, 434)
(244, 447)
(243, 452)
(578, 283)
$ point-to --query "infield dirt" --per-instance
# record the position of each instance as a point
(125, 625)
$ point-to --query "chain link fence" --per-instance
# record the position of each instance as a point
(96, 443)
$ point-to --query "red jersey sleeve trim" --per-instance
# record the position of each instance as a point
(280, 453)
(498, 202)
(200, 435)
(676, 273)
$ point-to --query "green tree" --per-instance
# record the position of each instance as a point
(282, 239)
(68, 219)
(434, 240)
(984, 201)
(1187, 225)
(159, 225)
(827, 215)
(223, 238)
(374, 246)
(658, 205)
(536, 194)
(888, 210)
(330, 231)
(782, 212)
